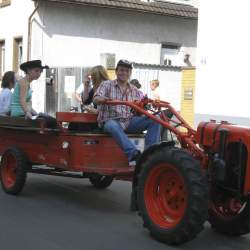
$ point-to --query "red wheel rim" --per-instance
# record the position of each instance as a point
(165, 196)
(8, 170)
(228, 208)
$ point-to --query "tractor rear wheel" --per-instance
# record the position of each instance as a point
(229, 215)
(100, 181)
(13, 170)
(172, 195)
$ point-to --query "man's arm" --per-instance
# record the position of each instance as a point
(100, 99)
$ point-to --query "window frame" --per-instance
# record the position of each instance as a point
(170, 46)
(2, 57)
(17, 60)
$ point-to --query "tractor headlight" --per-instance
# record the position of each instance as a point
(65, 145)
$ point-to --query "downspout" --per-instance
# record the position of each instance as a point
(29, 30)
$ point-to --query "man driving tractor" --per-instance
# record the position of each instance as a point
(120, 119)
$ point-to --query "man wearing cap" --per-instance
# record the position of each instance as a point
(118, 119)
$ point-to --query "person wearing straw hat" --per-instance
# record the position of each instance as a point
(21, 98)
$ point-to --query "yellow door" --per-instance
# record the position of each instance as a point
(187, 94)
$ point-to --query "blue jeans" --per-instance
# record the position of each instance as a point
(137, 124)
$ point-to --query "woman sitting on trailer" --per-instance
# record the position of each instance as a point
(21, 99)
(97, 75)
(8, 83)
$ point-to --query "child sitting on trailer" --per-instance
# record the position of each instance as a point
(8, 83)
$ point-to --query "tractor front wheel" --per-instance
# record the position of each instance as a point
(172, 195)
(229, 215)
(100, 181)
(13, 171)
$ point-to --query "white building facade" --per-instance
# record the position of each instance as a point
(222, 86)
(78, 34)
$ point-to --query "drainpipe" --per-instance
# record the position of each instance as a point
(29, 30)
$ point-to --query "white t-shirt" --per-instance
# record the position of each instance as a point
(5, 101)
(80, 89)
(155, 94)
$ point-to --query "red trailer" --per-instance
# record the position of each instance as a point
(174, 188)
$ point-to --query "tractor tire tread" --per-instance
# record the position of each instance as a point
(102, 182)
(196, 215)
(21, 176)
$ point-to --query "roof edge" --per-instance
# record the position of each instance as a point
(123, 8)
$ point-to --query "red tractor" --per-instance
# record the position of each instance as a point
(174, 188)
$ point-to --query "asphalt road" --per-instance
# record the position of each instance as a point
(55, 213)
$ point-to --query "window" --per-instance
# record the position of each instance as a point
(4, 3)
(17, 53)
(108, 60)
(2, 58)
(170, 54)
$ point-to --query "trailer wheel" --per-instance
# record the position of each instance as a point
(172, 196)
(13, 171)
(100, 181)
(229, 215)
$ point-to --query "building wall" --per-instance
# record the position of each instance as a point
(82, 33)
(222, 89)
(170, 83)
(14, 23)
(77, 36)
